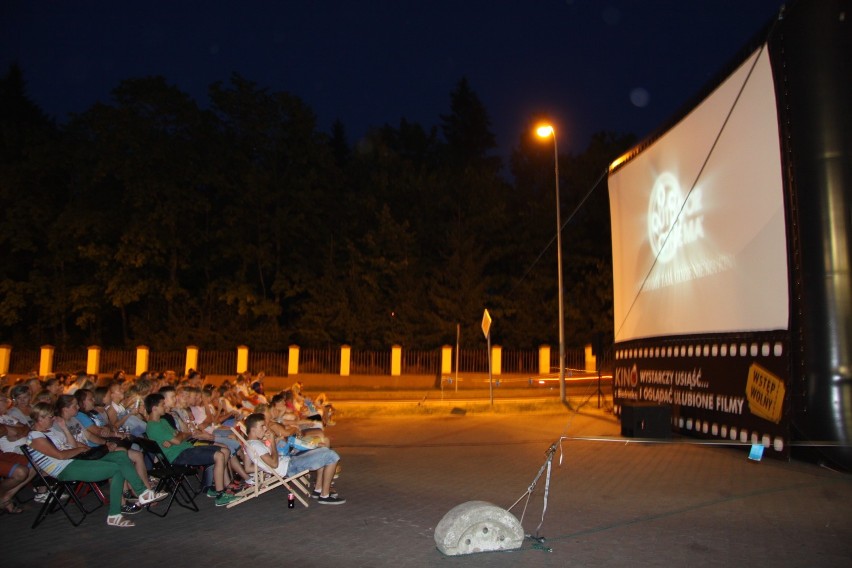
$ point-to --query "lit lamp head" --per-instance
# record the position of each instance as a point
(545, 131)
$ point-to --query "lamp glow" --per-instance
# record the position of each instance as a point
(544, 131)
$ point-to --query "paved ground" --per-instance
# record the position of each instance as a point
(611, 504)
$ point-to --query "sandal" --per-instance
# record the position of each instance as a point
(150, 496)
(119, 521)
(10, 508)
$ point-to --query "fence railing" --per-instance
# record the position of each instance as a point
(167, 361)
(421, 362)
(273, 363)
(118, 360)
(370, 363)
(320, 361)
(308, 360)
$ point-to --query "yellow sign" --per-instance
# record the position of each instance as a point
(765, 393)
(486, 323)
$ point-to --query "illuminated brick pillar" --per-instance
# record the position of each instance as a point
(396, 360)
(345, 360)
(293, 360)
(142, 356)
(191, 359)
(543, 360)
(45, 364)
(590, 358)
(242, 359)
(5, 358)
(446, 360)
(93, 360)
(496, 360)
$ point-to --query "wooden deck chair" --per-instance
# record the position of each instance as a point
(64, 495)
(298, 485)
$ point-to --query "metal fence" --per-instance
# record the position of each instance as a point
(70, 361)
(421, 362)
(320, 361)
(24, 362)
(167, 361)
(370, 363)
(522, 362)
(574, 359)
(118, 360)
(217, 362)
(473, 361)
(311, 360)
(273, 363)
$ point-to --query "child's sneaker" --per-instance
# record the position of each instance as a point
(131, 508)
(224, 498)
(316, 493)
(331, 500)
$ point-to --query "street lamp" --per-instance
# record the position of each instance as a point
(545, 131)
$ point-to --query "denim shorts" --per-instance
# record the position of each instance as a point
(221, 436)
(312, 460)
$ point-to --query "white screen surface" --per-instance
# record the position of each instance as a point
(698, 233)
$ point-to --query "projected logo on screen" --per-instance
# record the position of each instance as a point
(671, 223)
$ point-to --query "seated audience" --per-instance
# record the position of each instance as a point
(322, 460)
(60, 464)
(180, 451)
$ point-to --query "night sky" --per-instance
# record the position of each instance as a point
(618, 65)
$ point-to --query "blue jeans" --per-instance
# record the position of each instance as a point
(199, 455)
(312, 460)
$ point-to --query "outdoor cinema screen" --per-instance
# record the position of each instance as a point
(698, 232)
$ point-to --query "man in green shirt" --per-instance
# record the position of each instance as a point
(179, 451)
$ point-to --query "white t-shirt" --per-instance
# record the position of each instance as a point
(261, 450)
(7, 445)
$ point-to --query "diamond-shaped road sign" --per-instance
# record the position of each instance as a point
(486, 323)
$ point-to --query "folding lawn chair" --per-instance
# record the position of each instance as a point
(171, 478)
(264, 480)
(62, 494)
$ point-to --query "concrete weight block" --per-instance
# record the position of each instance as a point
(478, 526)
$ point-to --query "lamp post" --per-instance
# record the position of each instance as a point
(546, 131)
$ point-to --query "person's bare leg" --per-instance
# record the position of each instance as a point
(219, 468)
(324, 478)
(139, 465)
(9, 487)
(238, 468)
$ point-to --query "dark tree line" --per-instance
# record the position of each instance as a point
(151, 220)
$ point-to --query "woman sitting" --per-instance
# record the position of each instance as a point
(60, 463)
(21, 396)
(68, 422)
(121, 417)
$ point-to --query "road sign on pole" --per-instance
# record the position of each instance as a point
(486, 323)
(486, 330)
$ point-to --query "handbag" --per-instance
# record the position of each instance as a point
(95, 453)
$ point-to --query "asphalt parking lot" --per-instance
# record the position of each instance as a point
(611, 503)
